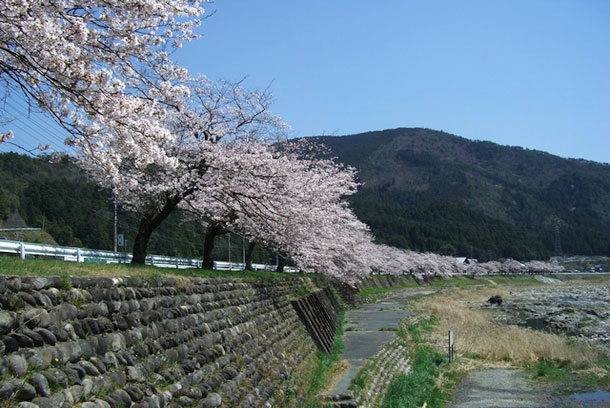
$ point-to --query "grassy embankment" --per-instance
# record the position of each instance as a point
(457, 282)
(481, 343)
(431, 377)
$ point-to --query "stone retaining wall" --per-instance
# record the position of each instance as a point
(151, 343)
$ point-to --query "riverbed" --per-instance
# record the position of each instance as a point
(578, 311)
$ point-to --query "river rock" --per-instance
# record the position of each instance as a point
(213, 400)
(100, 403)
(17, 364)
(26, 392)
(27, 404)
(8, 321)
(40, 384)
(495, 300)
(34, 317)
(35, 358)
(35, 337)
(23, 340)
(56, 377)
(7, 388)
(10, 344)
(47, 336)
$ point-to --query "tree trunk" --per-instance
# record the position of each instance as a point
(249, 253)
(151, 219)
(281, 262)
(212, 232)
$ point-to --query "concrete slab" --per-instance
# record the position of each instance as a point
(380, 320)
(343, 383)
(369, 322)
(359, 346)
(362, 345)
(375, 307)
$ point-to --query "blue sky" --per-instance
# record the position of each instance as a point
(527, 73)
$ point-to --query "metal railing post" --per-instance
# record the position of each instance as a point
(79, 258)
(22, 251)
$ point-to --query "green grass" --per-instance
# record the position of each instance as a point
(324, 364)
(374, 292)
(569, 375)
(553, 370)
(10, 265)
(421, 384)
(377, 293)
(359, 382)
(415, 331)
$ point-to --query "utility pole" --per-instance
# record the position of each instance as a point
(243, 251)
(114, 222)
(557, 251)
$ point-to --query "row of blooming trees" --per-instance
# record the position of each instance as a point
(164, 140)
(510, 267)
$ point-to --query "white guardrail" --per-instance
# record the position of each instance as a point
(72, 254)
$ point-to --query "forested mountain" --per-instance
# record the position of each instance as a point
(433, 191)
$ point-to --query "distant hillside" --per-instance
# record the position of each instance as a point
(75, 212)
(433, 191)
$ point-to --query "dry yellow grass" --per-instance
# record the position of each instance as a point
(475, 332)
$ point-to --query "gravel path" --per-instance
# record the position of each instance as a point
(502, 388)
(498, 388)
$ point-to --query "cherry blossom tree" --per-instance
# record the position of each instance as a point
(98, 66)
(476, 269)
(211, 116)
(543, 267)
(289, 201)
(510, 266)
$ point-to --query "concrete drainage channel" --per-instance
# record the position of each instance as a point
(371, 344)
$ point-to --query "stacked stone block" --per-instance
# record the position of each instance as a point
(151, 343)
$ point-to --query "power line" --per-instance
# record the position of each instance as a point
(40, 118)
(33, 125)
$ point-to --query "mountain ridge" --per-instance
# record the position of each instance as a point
(529, 192)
